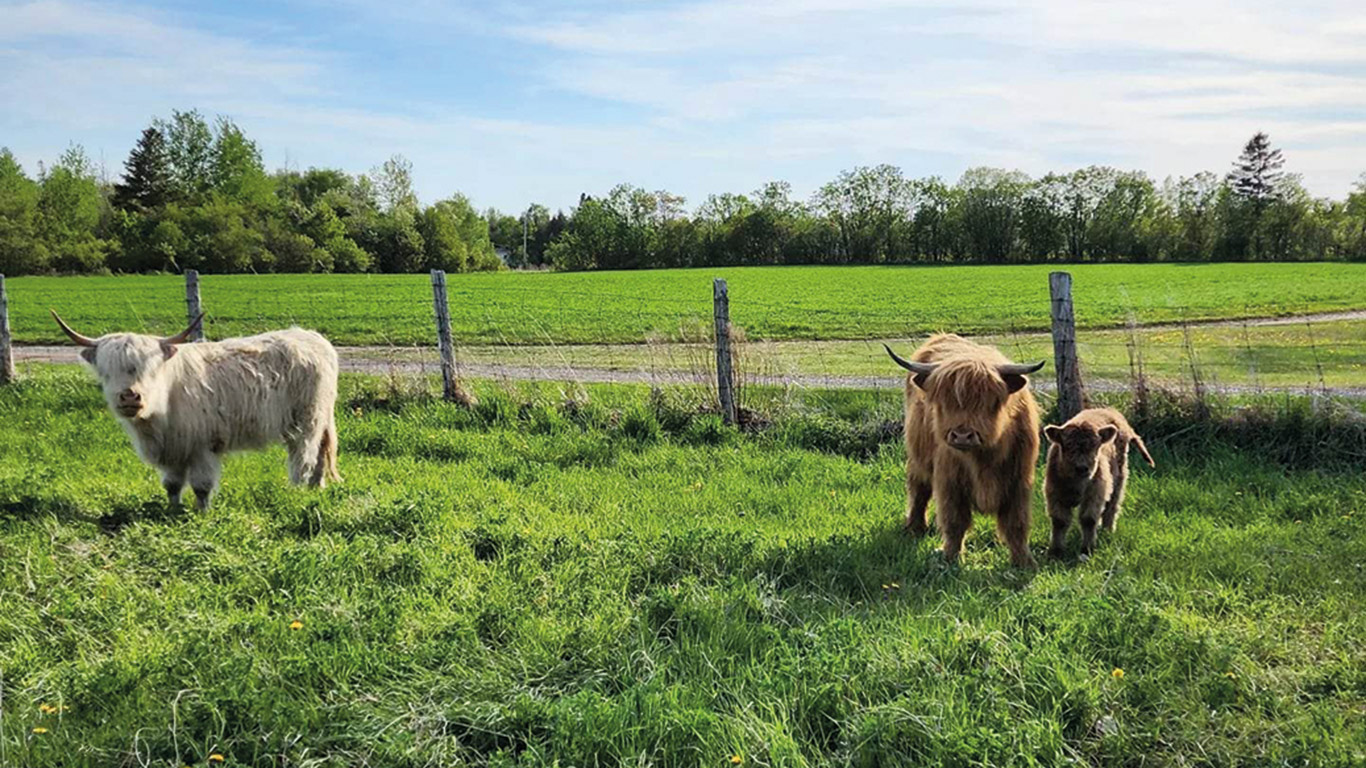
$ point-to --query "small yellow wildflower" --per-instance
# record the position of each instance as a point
(46, 708)
(1229, 675)
(215, 758)
(40, 730)
(1118, 674)
(736, 760)
(885, 586)
(896, 585)
(296, 624)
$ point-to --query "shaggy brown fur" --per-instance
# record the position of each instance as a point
(1088, 467)
(972, 440)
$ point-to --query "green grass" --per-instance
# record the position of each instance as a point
(530, 585)
(609, 307)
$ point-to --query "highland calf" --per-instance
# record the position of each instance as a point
(186, 405)
(1088, 467)
(972, 440)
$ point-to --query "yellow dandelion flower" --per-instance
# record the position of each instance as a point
(736, 759)
(215, 758)
(296, 624)
(46, 709)
(40, 730)
(1118, 674)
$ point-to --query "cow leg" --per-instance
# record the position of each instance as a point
(174, 483)
(303, 458)
(203, 477)
(917, 501)
(1061, 515)
(954, 515)
(1120, 474)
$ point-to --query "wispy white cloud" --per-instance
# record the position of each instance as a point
(532, 100)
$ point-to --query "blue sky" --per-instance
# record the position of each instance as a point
(523, 100)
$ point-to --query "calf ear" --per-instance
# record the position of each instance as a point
(88, 354)
(168, 350)
(1107, 433)
(1015, 382)
(1052, 432)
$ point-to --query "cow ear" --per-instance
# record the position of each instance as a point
(88, 354)
(1053, 432)
(1107, 433)
(168, 350)
(920, 379)
(1015, 382)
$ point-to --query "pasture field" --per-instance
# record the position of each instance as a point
(626, 582)
(772, 303)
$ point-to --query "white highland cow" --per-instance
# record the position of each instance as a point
(185, 405)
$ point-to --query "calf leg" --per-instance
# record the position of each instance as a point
(303, 458)
(1061, 515)
(203, 476)
(917, 500)
(1120, 474)
(1092, 507)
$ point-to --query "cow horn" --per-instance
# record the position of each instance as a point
(183, 336)
(1019, 369)
(82, 341)
(916, 368)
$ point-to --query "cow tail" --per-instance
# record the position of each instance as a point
(327, 454)
(1143, 449)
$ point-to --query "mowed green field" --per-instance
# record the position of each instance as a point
(774, 303)
(616, 584)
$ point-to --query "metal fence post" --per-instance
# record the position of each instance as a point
(440, 303)
(6, 343)
(192, 305)
(1071, 398)
(725, 370)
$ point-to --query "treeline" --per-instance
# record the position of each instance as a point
(878, 215)
(197, 196)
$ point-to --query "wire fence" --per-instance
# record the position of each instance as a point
(574, 335)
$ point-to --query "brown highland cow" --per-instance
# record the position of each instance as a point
(972, 439)
(1088, 467)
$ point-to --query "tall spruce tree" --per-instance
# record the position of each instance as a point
(1257, 170)
(147, 179)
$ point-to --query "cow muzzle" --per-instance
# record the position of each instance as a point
(963, 439)
(129, 403)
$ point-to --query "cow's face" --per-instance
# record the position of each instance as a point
(967, 400)
(1079, 446)
(130, 367)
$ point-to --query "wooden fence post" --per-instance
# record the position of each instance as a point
(440, 303)
(1070, 395)
(192, 306)
(6, 349)
(725, 370)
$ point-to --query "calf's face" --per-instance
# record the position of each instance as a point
(1078, 446)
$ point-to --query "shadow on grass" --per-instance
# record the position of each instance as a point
(29, 507)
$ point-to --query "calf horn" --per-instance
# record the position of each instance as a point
(183, 336)
(83, 341)
(1019, 369)
(916, 368)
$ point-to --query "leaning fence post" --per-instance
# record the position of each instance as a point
(192, 306)
(6, 347)
(1070, 395)
(441, 305)
(725, 371)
